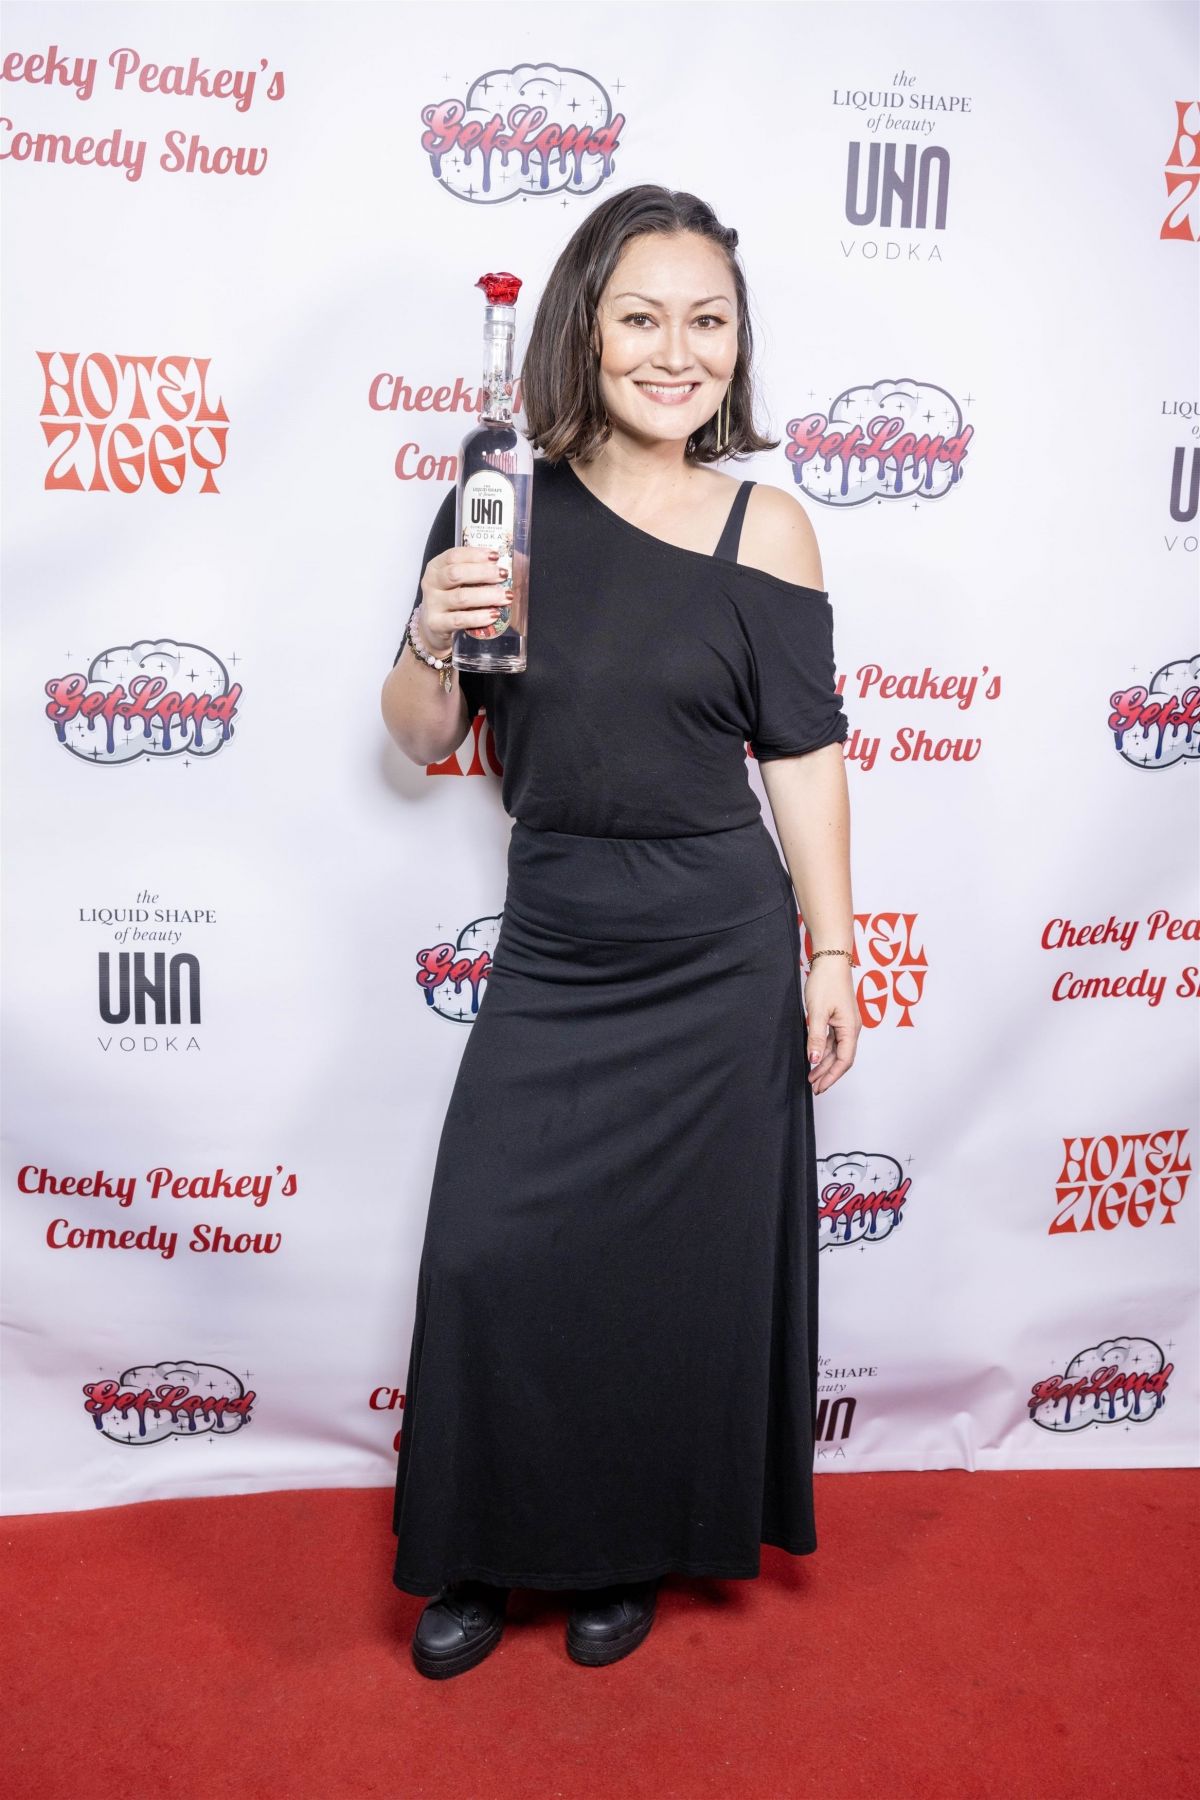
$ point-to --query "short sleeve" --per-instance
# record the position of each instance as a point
(791, 639)
(441, 537)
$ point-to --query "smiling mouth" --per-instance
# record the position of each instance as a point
(668, 393)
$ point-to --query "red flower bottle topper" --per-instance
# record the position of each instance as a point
(501, 289)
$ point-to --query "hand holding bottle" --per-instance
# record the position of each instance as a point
(457, 591)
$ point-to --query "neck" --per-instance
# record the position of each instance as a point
(643, 467)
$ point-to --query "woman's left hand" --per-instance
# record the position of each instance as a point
(831, 1010)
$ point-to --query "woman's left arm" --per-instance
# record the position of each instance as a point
(810, 803)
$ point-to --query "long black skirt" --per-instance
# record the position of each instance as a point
(614, 1358)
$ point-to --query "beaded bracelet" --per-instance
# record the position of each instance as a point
(812, 959)
(442, 664)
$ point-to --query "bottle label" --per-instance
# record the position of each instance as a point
(489, 513)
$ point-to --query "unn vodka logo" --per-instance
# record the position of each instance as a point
(145, 989)
(898, 189)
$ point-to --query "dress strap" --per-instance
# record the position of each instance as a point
(731, 537)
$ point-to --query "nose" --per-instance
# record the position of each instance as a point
(673, 353)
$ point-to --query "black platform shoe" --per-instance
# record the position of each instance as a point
(458, 1628)
(604, 1624)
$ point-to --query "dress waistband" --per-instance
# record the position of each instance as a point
(644, 887)
(655, 837)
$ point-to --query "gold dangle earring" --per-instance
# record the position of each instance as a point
(723, 415)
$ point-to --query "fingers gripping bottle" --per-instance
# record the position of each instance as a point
(495, 491)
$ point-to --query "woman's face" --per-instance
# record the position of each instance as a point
(668, 327)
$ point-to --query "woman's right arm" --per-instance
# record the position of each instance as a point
(456, 589)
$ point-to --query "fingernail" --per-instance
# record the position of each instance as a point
(495, 555)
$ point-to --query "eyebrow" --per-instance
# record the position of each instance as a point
(707, 301)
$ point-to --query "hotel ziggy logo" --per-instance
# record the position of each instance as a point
(1124, 1178)
(1181, 173)
(154, 698)
(531, 130)
(895, 440)
(116, 424)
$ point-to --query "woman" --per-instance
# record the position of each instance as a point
(613, 1367)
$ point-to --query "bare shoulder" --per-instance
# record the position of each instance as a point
(778, 538)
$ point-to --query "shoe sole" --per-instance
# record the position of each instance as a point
(594, 1655)
(439, 1667)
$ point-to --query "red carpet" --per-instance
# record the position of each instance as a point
(1031, 1636)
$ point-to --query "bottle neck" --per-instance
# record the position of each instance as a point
(499, 335)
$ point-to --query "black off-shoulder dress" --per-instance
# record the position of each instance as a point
(614, 1358)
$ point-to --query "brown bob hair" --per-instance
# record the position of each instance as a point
(560, 383)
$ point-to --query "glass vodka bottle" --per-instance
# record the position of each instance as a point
(495, 492)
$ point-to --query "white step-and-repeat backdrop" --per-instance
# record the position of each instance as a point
(246, 939)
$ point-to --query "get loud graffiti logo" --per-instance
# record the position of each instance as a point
(863, 1194)
(891, 440)
(152, 1402)
(452, 975)
(1156, 724)
(1122, 1381)
(531, 130)
(153, 698)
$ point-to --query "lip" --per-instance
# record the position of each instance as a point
(670, 394)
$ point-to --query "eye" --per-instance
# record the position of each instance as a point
(711, 318)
